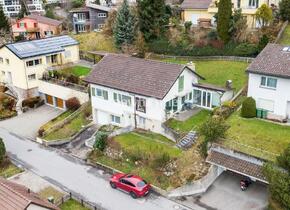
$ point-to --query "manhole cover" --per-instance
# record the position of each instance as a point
(29, 150)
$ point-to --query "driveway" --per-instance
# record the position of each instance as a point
(225, 194)
(28, 123)
(73, 175)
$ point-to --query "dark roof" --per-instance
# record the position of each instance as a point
(39, 47)
(196, 4)
(210, 87)
(45, 20)
(237, 162)
(81, 9)
(17, 197)
(135, 75)
(272, 61)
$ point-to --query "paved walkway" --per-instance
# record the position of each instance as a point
(28, 123)
(72, 175)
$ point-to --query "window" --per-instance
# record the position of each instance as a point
(31, 77)
(268, 82)
(81, 28)
(7, 61)
(22, 25)
(51, 59)
(142, 120)
(115, 119)
(123, 99)
(1, 60)
(33, 62)
(253, 3)
(102, 15)
(100, 93)
(48, 33)
(81, 16)
(239, 4)
(181, 83)
(141, 104)
(100, 26)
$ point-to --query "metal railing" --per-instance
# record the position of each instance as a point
(65, 84)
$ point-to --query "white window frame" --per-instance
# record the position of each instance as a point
(102, 15)
(34, 62)
(1, 60)
(113, 119)
(32, 77)
(266, 82)
(100, 93)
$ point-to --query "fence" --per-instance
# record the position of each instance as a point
(82, 201)
(280, 34)
(191, 58)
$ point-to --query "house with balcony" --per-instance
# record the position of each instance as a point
(89, 18)
(133, 92)
(269, 81)
(36, 27)
(24, 64)
(11, 8)
(200, 10)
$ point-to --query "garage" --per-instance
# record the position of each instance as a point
(59, 103)
(54, 101)
(49, 99)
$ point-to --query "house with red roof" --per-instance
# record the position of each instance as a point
(36, 27)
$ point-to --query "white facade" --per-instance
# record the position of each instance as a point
(107, 111)
(274, 99)
(11, 8)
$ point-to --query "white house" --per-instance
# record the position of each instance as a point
(269, 81)
(128, 91)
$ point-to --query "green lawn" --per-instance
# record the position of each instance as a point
(192, 123)
(285, 40)
(59, 118)
(218, 72)
(77, 71)
(69, 129)
(72, 205)
(9, 170)
(144, 145)
(256, 137)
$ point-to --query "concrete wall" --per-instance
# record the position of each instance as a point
(279, 96)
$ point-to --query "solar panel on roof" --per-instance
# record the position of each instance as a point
(286, 49)
(25, 47)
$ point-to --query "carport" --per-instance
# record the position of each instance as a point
(237, 162)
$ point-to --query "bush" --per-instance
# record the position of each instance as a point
(248, 108)
(72, 103)
(245, 49)
(161, 160)
(135, 155)
(101, 142)
(41, 132)
(8, 103)
(31, 102)
(2, 151)
(213, 129)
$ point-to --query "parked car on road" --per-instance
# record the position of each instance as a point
(134, 185)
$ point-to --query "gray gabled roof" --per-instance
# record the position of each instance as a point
(195, 4)
(39, 47)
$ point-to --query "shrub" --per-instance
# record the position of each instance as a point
(72, 103)
(212, 35)
(213, 129)
(187, 25)
(2, 151)
(245, 49)
(8, 103)
(161, 160)
(135, 155)
(248, 108)
(31, 102)
(41, 132)
(101, 142)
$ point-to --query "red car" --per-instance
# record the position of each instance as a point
(134, 185)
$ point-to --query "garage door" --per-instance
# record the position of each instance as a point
(194, 18)
(59, 103)
(49, 99)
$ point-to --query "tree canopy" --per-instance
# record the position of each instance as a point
(264, 15)
(284, 9)
(4, 24)
(224, 16)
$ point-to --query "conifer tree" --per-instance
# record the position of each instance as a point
(124, 31)
(23, 11)
(224, 19)
(4, 24)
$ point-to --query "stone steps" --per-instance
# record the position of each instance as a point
(188, 140)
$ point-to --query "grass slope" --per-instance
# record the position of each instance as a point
(285, 40)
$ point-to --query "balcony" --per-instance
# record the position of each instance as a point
(65, 84)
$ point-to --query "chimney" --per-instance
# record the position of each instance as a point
(229, 84)
(191, 65)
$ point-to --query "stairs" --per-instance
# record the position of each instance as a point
(188, 140)
(13, 93)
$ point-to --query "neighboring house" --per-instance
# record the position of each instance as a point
(128, 91)
(193, 10)
(23, 64)
(17, 197)
(90, 18)
(36, 27)
(269, 81)
(11, 8)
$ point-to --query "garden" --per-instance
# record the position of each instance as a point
(285, 39)
(151, 156)
(218, 72)
(68, 123)
(7, 105)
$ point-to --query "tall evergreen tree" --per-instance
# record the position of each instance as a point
(4, 24)
(152, 18)
(124, 31)
(224, 19)
(23, 11)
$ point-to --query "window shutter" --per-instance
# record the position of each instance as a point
(25, 25)
(18, 25)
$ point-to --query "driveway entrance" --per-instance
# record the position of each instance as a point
(28, 123)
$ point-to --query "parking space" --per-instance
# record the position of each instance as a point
(28, 123)
(226, 194)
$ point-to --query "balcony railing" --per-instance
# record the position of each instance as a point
(65, 84)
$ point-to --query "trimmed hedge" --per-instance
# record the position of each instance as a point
(163, 46)
(31, 102)
(248, 108)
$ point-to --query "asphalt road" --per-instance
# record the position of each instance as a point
(72, 175)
